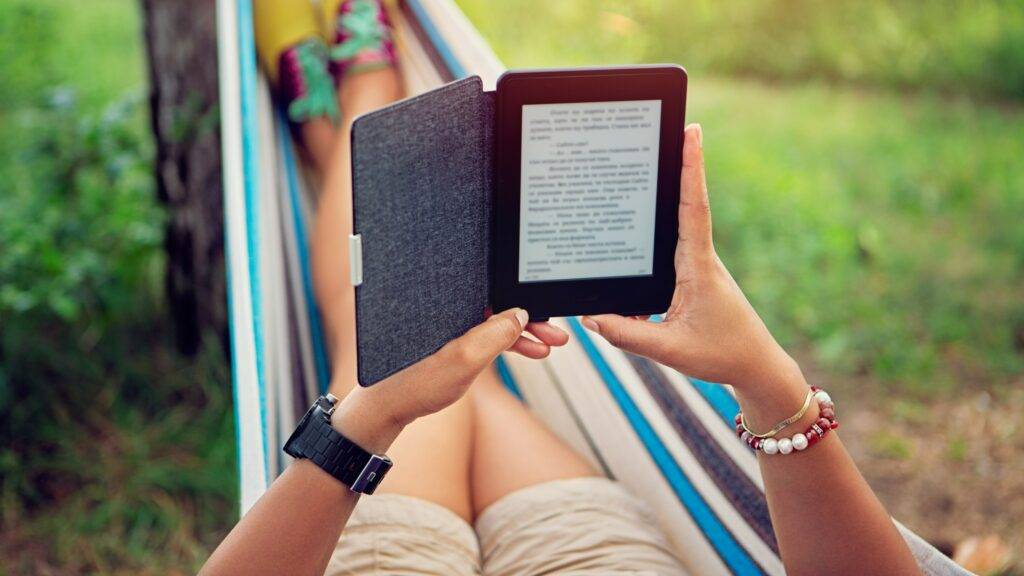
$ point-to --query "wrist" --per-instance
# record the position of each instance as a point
(361, 419)
(774, 397)
(772, 373)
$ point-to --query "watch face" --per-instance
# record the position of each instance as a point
(298, 430)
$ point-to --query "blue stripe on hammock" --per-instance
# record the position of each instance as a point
(250, 151)
(723, 542)
(507, 378)
(323, 370)
(444, 51)
(719, 398)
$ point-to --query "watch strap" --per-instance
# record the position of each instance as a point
(319, 442)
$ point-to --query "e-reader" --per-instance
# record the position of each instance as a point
(587, 170)
(556, 192)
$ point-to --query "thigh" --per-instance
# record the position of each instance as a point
(432, 460)
(512, 448)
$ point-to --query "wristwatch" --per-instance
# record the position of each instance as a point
(316, 440)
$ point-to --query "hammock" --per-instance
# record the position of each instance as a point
(668, 438)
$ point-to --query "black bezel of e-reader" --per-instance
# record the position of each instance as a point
(630, 295)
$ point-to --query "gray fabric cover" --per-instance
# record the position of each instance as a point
(421, 182)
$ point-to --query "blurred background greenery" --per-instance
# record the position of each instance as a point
(865, 166)
(864, 158)
(116, 454)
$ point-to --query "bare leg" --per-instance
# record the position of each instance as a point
(335, 295)
(317, 138)
(512, 449)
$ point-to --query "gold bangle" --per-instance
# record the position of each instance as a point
(778, 427)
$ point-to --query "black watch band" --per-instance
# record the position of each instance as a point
(316, 440)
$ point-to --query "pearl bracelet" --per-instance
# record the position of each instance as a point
(800, 441)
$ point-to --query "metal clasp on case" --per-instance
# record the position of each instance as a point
(355, 258)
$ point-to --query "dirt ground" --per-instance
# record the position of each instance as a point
(950, 468)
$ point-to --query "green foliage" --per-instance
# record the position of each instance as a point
(116, 455)
(965, 47)
(84, 232)
(131, 448)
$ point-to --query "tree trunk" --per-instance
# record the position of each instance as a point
(181, 42)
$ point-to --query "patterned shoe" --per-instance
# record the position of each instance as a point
(362, 38)
(305, 84)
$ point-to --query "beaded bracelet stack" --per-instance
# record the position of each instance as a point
(801, 441)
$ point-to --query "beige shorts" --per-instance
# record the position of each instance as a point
(577, 526)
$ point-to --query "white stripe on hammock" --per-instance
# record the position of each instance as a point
(245, 379)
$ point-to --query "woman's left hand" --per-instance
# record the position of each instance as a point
(373, 416)
(545, 335)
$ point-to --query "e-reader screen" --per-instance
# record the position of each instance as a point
(588, 190)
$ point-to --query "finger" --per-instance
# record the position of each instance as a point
(548, 333)
(694, 207)
(470, 353)
(632, 335)
(530, 348)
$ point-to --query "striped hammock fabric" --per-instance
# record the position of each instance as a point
(668, 438)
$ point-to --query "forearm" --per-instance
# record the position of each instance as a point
(826, 517)
(295, 525)
(291, 529)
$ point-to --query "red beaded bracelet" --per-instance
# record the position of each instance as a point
(800, 441)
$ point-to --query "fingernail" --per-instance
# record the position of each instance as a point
(589, 324)
(700, 136)
(523, 316)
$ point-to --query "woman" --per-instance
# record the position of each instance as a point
(481, 486)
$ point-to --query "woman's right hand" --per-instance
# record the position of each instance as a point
(710, 331)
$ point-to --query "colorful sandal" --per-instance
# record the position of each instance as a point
(362, 38)
(304, 84)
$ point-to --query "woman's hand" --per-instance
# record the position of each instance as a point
(710, 330)
(372, 417)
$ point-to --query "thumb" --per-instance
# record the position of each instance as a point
(631, 334)
(694, 208)
(474, 350)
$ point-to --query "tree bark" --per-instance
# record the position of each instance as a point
(181, 42)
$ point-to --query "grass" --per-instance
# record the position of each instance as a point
(882, 231)
(877, 230)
